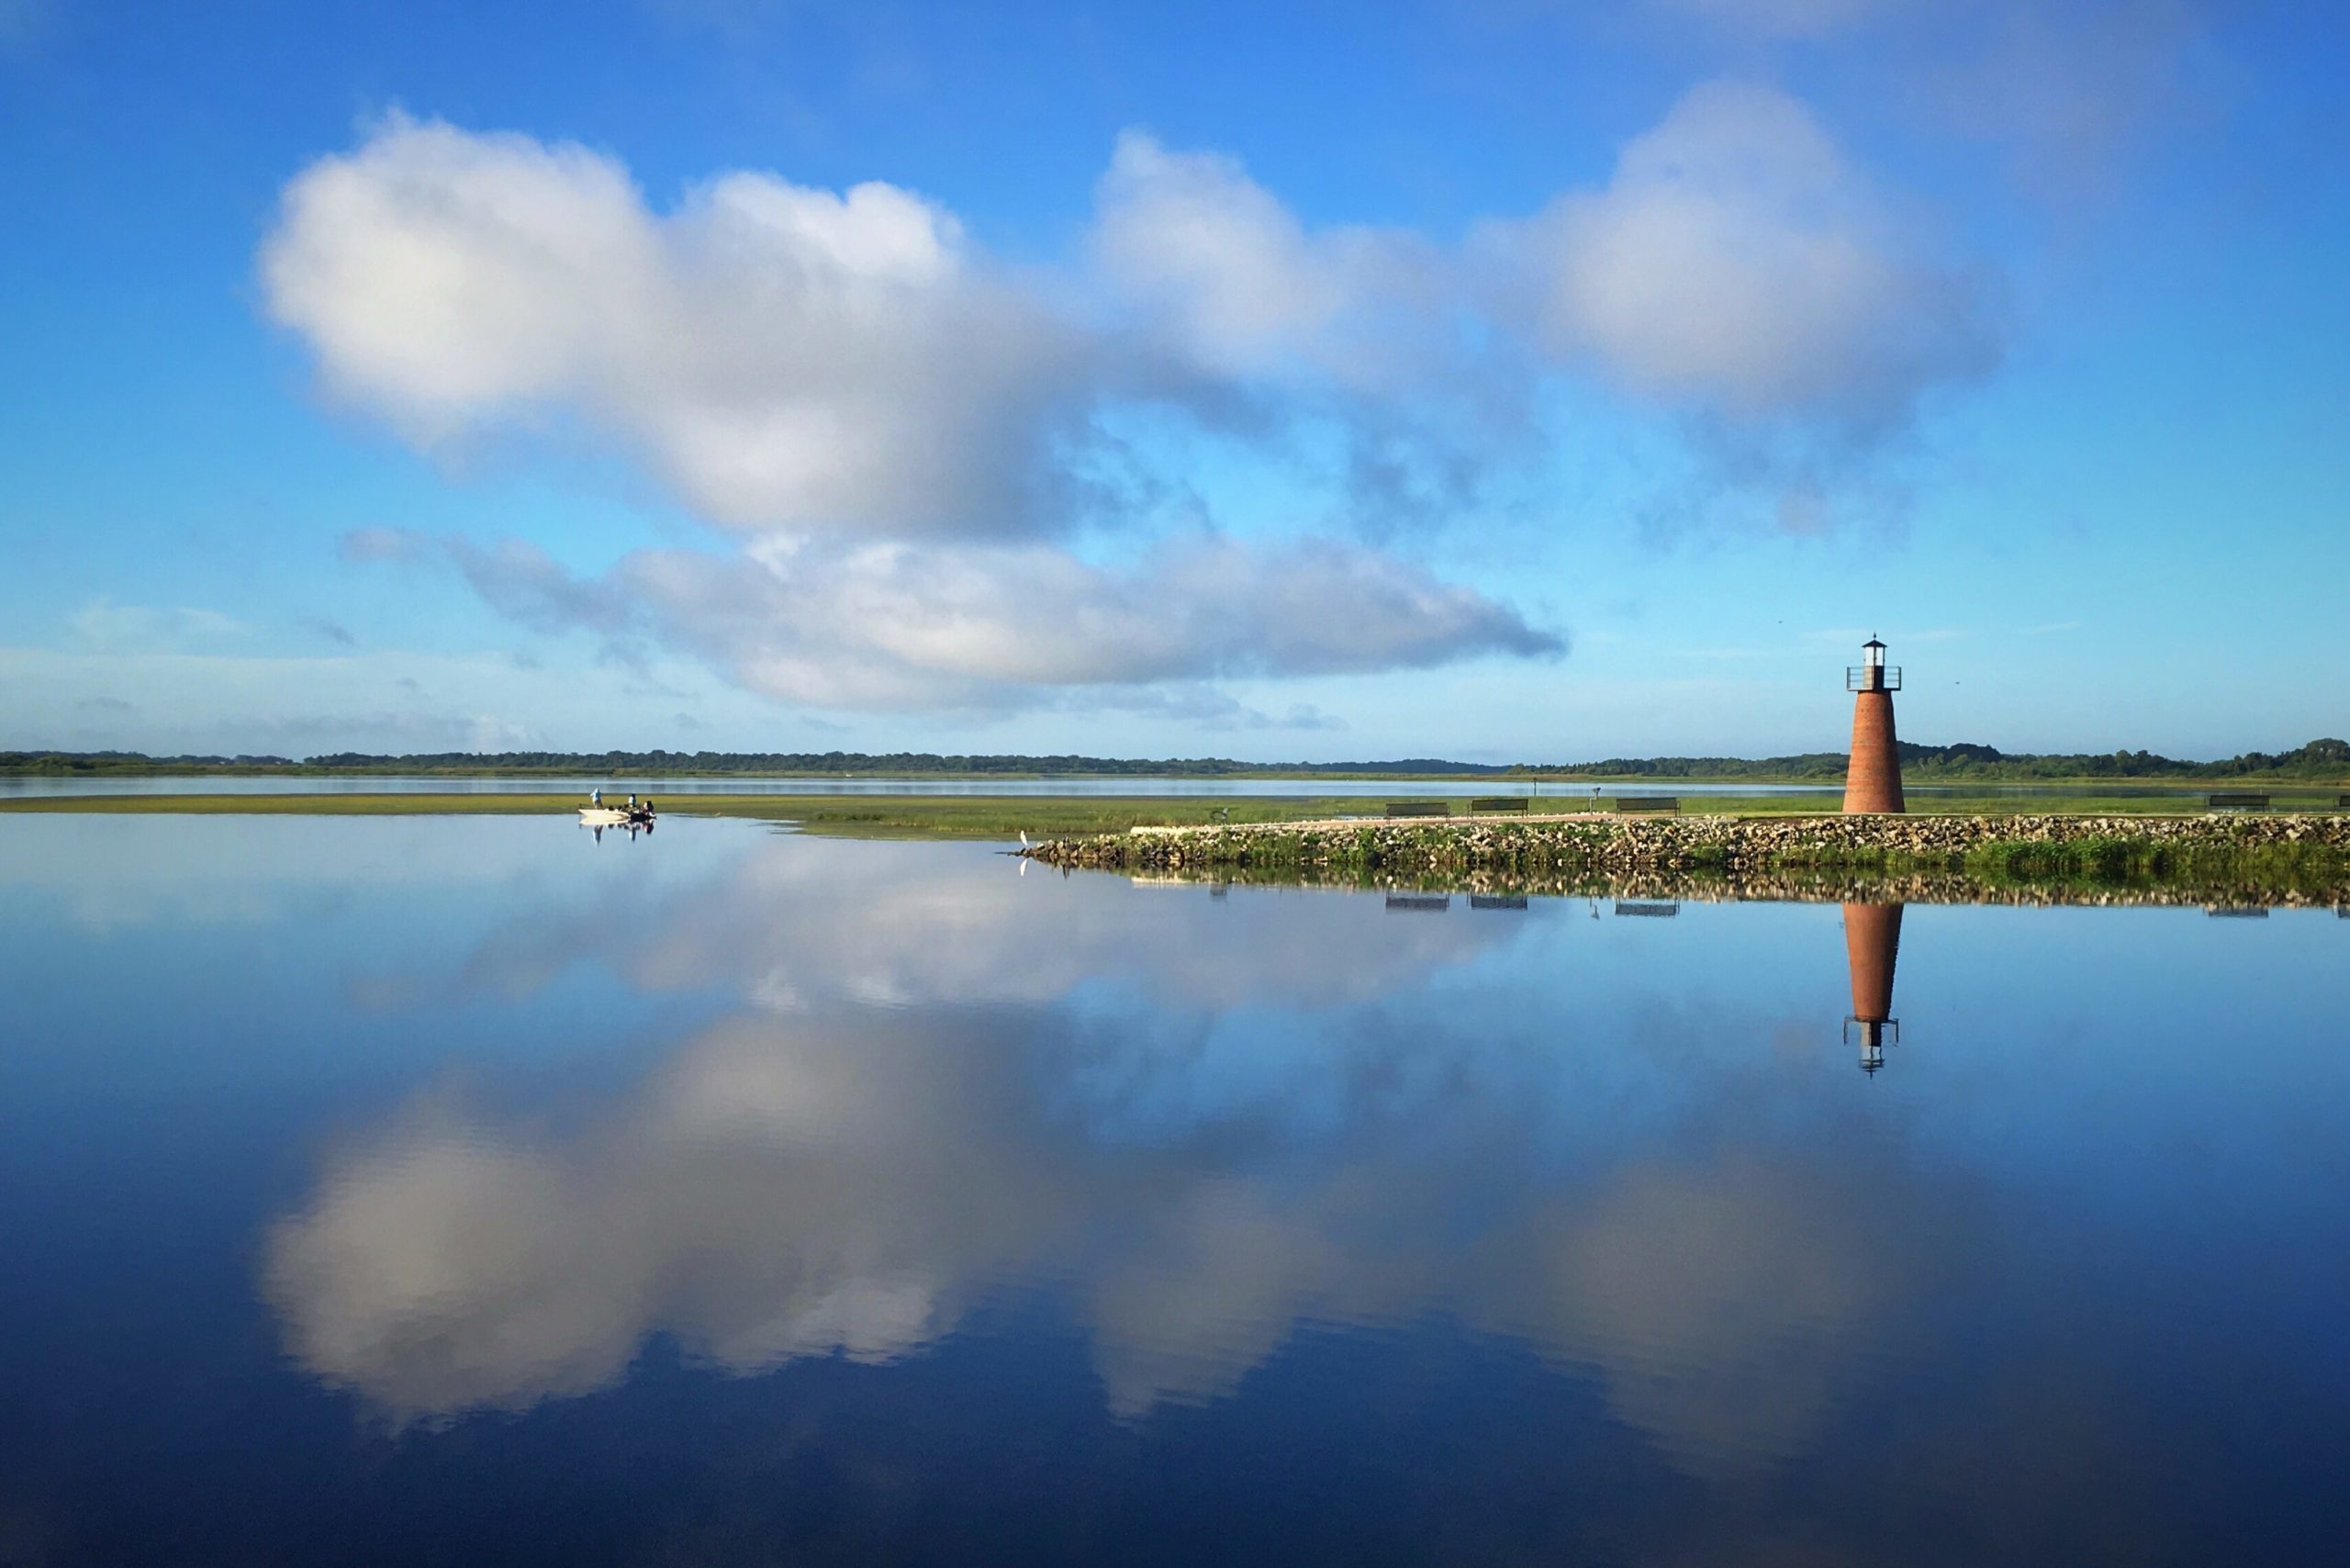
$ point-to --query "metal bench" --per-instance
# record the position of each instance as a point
(1648, 803)
(2236, 801)
(1496, 901)
(1497, 803)
(1651, 909)
(1418, 809)
(2344, 803)
(1427, 903)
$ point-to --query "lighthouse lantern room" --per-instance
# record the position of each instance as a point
(1872, 674)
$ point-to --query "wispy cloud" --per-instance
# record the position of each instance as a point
(2069, 87)
(102, 623)
(1739, 265)
(896, 627)
(366, 544)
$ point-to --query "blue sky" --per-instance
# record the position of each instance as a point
(1501, 379)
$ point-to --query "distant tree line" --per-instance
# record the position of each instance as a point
(2318, 759)
(710, 762)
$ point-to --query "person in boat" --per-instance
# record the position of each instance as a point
(595, 797)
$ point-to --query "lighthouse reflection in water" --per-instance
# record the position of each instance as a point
(1872, 946)
(404, 1189)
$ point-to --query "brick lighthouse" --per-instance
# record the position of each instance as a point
(1873, 781)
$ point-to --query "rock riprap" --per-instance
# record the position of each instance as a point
(2105, 846)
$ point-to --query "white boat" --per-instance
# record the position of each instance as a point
(602, 816)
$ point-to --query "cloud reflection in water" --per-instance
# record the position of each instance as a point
(1199, 1125)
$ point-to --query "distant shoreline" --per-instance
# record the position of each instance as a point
(2324, 761)
(1921, 779)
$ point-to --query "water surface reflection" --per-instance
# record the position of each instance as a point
(745, 1195)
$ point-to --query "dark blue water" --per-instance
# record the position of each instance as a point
(468, 1189)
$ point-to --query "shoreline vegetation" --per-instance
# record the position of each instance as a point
(2317, 762)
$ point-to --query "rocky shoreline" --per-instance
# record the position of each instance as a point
(2303, 858)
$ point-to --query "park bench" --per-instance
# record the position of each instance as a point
(1497, 803)
(1648, 803)
(1649, 908)
(2237, 800)
(1427, 902)
(1496, 901)
(2236, 911)
(2344, 803)
(1418, 809)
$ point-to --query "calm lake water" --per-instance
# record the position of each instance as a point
(473, 1190)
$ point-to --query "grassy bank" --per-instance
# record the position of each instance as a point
(2105, 861)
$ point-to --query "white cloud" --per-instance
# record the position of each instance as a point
(896, 625)
(1738, 265)
(887, 416)
(786, 358)
(1221, 270)
(892, 423)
